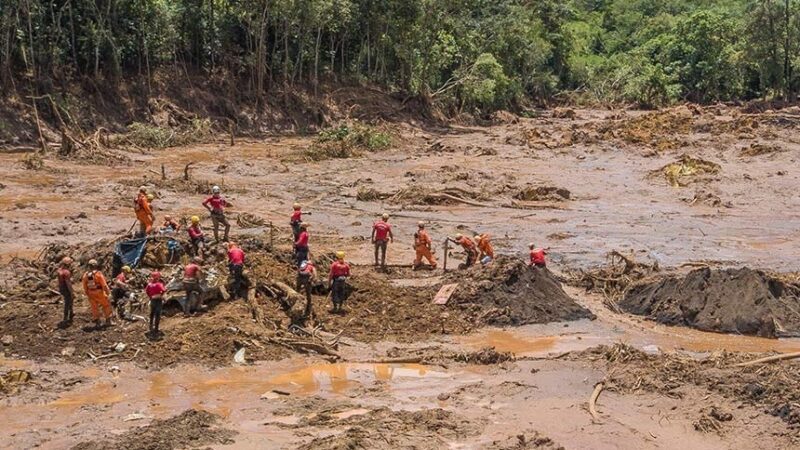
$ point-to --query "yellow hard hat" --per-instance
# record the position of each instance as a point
(195, 219)
(477, 236)
(296, 206)
(126, 269)
(459, 236)
(339, 255)
(150, 196)
(92, 263)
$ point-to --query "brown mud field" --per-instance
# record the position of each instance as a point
(669, 236)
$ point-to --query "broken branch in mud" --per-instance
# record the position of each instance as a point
(186, 169)
(598, 388)
(769, 359)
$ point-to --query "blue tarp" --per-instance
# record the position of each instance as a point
(130, 252)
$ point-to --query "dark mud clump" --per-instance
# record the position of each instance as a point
(741, 301)
(509, 292)
(543, 193)
(190, 429)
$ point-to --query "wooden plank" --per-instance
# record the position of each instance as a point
(443, 296)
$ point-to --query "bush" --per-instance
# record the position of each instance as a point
(346, 141)
(152, 136)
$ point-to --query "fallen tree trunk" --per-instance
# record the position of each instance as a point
(768, 359)
(598, 388)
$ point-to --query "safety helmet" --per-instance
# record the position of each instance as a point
(459, 236)
(142, 188)
(126, 269)
(421, 224)
(296, 206)
(303, 265)
(531, 245)
(92, 263)
(150, 196)
(478, 236)
(167, 217)
(195, 219)
(385, 216)
(65, 261)
(155, 276)
(340, 255)
(215, 190)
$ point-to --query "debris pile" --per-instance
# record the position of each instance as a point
(686, 169)
(741, 301)
(543, 193)
(613, 279)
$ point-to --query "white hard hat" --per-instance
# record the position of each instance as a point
(215, 189)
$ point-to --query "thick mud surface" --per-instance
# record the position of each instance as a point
(741, 301)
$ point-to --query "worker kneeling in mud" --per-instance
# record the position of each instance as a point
(192, 274)
(155, 290)
(337, 279)
(422, 247)
(485, 247)
(469, 247)
(236, 269)
(306, 274)
(197, 238)
(381, 236)
(121, 294)
(97, 291)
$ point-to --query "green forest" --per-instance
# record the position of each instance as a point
(474, 55)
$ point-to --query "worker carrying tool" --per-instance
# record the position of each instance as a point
(484, 245)
(197, 238)
(537, 256)
(306, 274)
(216, 205)
(301, 245)
(96, 289)
(155, 291)
(121, 292)
(469, 247)
(64, 276)
(422, 247)
(144, 214)
(192, 274)
(296, 220)
(236, 269)
(169, 225)
(381, 236)
(337, 280)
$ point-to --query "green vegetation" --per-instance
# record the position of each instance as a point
(346, 141)
(151, 136)
(467, 55)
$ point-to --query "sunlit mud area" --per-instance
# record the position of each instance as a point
(670, 268)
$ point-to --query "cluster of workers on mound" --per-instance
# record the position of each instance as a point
(101, 295)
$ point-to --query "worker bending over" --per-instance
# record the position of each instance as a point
(216, 205)
(337, 279)
(155, 290)
(381, 236)
(121, 292)
(537, 256)
(192, 274)
(144, 214)
(422, 247)
(484, 245)
(301, 245)
(468, 246)
(96, 289)
(64, 276)
(296, 220)
(236, 269)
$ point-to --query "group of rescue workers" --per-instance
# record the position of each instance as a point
(101, 296)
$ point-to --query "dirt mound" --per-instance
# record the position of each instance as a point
(686, 170)
(543, 193)
(508, 292)
(385, 428)
(742, 301)
(190, 429)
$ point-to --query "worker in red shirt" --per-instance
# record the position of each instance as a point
(236, 268)
(155, 291)
(216, 205)
(337, 280)
(422, 247)
(485, 247)
(381, 236)
(301, 245)
(141, 205)
(468, 246)
(121, 291)
(192, 274)
(537, 256)
(96, 289)
(296, 220)
(305, 279)
(197, 238)
(64, 277)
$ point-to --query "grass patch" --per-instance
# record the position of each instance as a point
(152, 136)
(348, 140)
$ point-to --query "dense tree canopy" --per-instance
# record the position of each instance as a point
(471, 54)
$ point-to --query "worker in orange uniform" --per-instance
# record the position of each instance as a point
(537, 256)
(381, 236)
(216, 205)
(485, 247)
(337, 280)
(143, 212)
(96, 289)
(422, 246)
(468, 246)
(236, 268)
(296, 220)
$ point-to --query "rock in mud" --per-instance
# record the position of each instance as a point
(741, 301)
(508, 292)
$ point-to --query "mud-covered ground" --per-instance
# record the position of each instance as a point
(675, 190)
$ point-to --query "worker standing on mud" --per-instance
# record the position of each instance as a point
(197, 238)
(337, 280)
(236, 269)
(192, 274)
(96, 289)
(485, 247)
(155, 290)
(537, 256)
(301, 245)
(468, 246)
(64, 276)
(422, 247)
(143, 212)
(381, 236)
(305, 278)
(121, 291)
(216, 205)
(296, 220)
